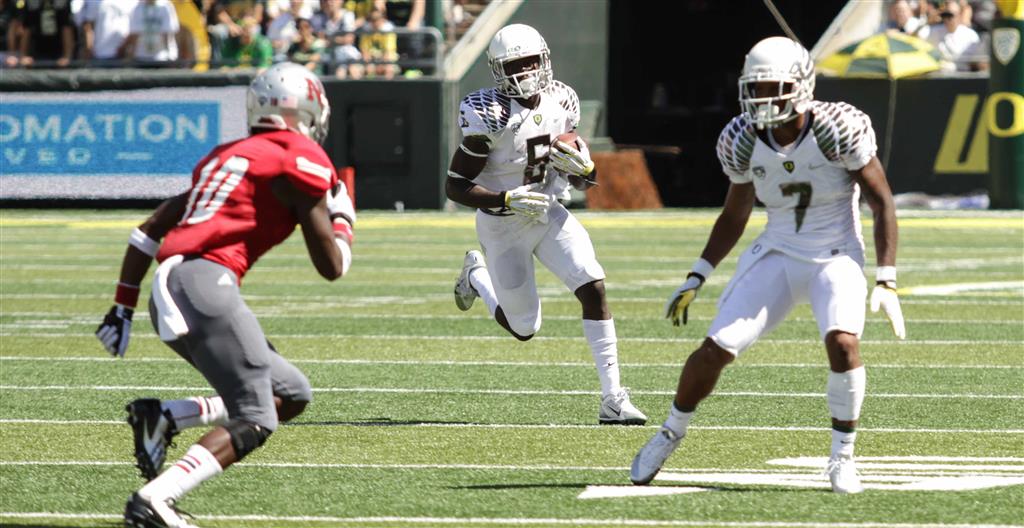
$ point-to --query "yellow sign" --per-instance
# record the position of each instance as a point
(1011, 8)
(962, 119)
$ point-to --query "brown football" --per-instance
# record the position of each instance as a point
(568, 137)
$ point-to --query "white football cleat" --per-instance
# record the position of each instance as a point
(843, 473)
(465, 294)
(149, 512)
(616, 409)
(648, 461)
(153, 429)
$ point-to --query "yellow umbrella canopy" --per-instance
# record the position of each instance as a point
(891, 54)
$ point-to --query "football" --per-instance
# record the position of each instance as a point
(568, 137)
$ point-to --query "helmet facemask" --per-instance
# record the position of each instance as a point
(787, 67)
(523, 84)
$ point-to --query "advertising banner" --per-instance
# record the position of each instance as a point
(112, 144)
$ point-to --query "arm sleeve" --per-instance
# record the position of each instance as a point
(309, 169)
(735, 146)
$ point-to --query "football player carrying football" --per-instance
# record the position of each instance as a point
(246, 197)
(807, 161)
(510, 167)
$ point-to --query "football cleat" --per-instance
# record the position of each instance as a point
(465, 294)
(616, 409)
(843, 473)
(147, 512)
(153, 429)
(648, 461)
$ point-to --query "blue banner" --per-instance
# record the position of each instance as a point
(98, 138)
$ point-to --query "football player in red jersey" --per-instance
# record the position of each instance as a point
(246, 197)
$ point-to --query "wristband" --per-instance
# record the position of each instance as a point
(342, 229)
(141, 241)
(702, 268)
(127, 295)
(885, 274)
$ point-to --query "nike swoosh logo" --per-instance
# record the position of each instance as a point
(618, 412)
(812, 167)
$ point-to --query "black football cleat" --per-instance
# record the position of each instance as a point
(153, 430)
(141, 512)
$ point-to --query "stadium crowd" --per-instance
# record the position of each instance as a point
(959, 29)
(344, 38)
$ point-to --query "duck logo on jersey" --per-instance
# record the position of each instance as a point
(759, 172)
(537, 119)
(788, 165)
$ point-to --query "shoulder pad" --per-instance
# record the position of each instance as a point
(567, 98)
(843, 132)
(736, 145)
(488, 108)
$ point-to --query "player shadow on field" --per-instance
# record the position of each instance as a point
(580, 485)
(97, 524)
(377, 422)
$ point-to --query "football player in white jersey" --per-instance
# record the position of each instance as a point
(807, 161)
(509, 169)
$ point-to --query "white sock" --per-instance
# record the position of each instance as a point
(677, 421)
(197, 466)
(846, 393)
(481, 282)
(197, 411)
(601, 338)
(842, 443)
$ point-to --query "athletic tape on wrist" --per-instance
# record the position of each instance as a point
(127, 294)
(885, 274)
(141, 241)
(702, 268)
(343, 229)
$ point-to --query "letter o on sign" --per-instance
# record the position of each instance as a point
(1017, 125)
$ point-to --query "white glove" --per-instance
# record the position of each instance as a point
(884, 296)
(116, 330)
(339, 204)
(568, 160)
(526, 201)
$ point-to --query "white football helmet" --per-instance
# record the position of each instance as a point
(287, 96)
(783, 61)
(514, 42)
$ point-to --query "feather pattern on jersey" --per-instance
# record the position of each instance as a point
(736, 144)
(841, 130)
(491, 106)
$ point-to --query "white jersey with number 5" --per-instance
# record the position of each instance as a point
(519, 138)
(809, 196)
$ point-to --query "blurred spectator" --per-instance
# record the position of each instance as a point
(309, 49)
(225, 20)
(248, 50)
(153, 31)
(10, 27)
(984, 12)
(46, 34)
(379, 46)
(276, 8)
(334, 23)
(902, 18)
(362, 9)
(957, 42)
(105, 27)
(408, 14)
(282, 31)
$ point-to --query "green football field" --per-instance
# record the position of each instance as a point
(427, 416)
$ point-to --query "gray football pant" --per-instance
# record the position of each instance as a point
(226, 344)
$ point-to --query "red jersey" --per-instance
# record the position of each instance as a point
(232, 217)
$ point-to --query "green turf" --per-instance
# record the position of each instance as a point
(427, 416)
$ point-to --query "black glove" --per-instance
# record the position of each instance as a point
(115, 330)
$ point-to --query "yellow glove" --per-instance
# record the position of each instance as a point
(678, 304)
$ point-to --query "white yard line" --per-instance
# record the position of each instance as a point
(525, 521)
(504, 392)
(763, 428)
(380, 337)
(485, 363)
